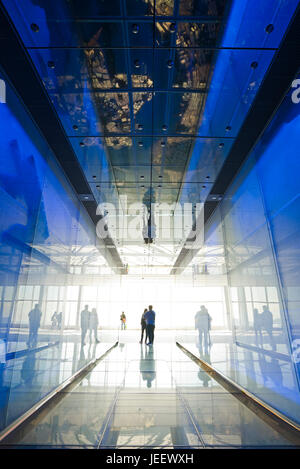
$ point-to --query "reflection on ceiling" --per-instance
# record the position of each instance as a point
(152, 95)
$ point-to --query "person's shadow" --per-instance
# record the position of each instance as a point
(202, 375)
(147, 365)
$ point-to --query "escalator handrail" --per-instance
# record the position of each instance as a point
(281, 423)
(46, 401)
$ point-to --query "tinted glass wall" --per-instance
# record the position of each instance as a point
(45, 233)
(260, 216)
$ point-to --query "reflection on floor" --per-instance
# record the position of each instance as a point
(141, 396)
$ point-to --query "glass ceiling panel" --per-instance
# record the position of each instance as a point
(141, 7)
(132, 174)
(64, 23)
(73, 78)
(207, 158)
(195, 67)
(142, 113)
(237, 76)
(185, 106)
(141, 68)
(171, 151)
(72, 70)
(167, 174)
(202, 7)
(187, 34)
(259, 24)
(105, 193)
(182, 68)
(96, 114)
(194, 193)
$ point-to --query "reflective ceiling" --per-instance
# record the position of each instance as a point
(151, 94)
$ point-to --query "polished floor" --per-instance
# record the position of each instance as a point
(141, 396)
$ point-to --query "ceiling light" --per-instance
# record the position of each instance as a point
(221, 145)
(51, 64)
(140, 127)
(228, 128)
(140, 144)
(254, 65)
(172, 27)
(137, 63)
(35, 27)
(170, 63)
(81, 144)
(269, 28)
(75, 127)
(164, 127)
(135, 28)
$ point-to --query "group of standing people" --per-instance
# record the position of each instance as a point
(263, 321)
(34, 317)
(56, 320)
(89, 321)
(148, 325)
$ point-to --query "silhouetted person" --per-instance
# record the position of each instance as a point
(54, 320)
(84, 322)
(93, 325)
(150, 324)
(123, 321)
(143, 327)
(59, 320)
(149, 228)
(267, 324)
(34, 323)
(257, 324)
(202, 323)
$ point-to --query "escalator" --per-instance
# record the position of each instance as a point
(136, 397)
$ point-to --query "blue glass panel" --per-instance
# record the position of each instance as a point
(262, 26)
(285, 128)
(43, 227)
(186, 106)
(236, 79)
(207, 158)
